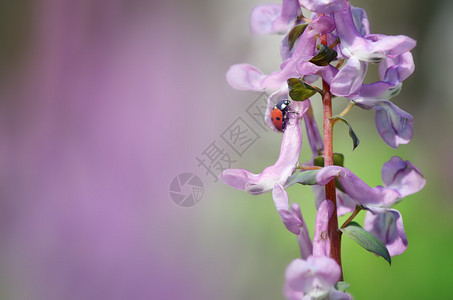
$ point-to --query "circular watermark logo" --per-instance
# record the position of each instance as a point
(186, 189)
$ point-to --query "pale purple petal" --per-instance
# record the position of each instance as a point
(290, 11)
(372, 47)
(274, 18)
(402, 176)
(245, 77)
(356, 188)
(376, 91)
(397, 69)
(239, 178)
(315, 273)
(290, 219)
(297, 65)
(321, 240)
(291, 294)
(388, 227)
(393, 124)
(322, 6)
(390, 45)
(345, 204)
(263, 17)
(305, 245)
(349, 79)
(284, 166)
(360, 20)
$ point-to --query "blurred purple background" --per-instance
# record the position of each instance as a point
(104, 102)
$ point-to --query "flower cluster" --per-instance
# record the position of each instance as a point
(335, 46)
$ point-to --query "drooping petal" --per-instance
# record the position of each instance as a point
(290, 219)
(245, 77)
(356, 188)
(305, 244)
(321, 240)
(284, 166)
(395, 70)
(402, 176)
(393, 124)
(322, 6)
(387, 225)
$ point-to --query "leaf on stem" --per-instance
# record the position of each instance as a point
(355, 139)
(295, 33)
(299, 90)
(305, 178)
(365, 239)
(324, 56)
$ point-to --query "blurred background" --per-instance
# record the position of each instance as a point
(111, 111)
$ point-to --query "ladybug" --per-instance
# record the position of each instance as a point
(279, 114)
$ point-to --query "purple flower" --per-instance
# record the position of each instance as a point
(274, 18)
(313, 278)
(275, 177)
(393, 124)
(247, 77)
(401, 178)
(387, 225)
(321, 241)
(323, 6)
(345, 204)
(292, 219)
(362, 48)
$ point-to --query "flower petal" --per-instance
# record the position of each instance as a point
(263, 17)
(394, 125)
(356, 188)
(290, 219)
(284, 166)
(322, 6)
(349, 79)
(387, 226)
(321, 240)
(305, 244)
(372, 47)
(402, 176)
(317, 272)
(245, 77)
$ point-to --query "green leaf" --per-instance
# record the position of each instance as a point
(306, 178)
(342, 286)
(324, 56)
(355, 139)
(366, 240)
(295, 33)
(299, 90)
(338, 160)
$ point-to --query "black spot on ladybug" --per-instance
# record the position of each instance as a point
(278, 118)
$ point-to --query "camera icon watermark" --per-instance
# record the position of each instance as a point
(186, 190)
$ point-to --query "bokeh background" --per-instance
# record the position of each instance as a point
(104, 102)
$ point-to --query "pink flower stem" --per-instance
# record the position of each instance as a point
(333, 232)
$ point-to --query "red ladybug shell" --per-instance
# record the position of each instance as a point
(279, 115)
